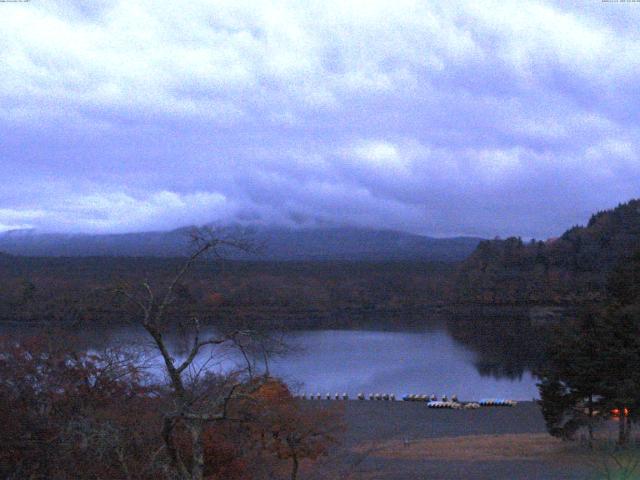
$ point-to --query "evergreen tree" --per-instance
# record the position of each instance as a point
(570, 384)
(620, 369)
(595, 370)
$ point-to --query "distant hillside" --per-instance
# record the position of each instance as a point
(278, 244)
(302, 294)
(570, 269)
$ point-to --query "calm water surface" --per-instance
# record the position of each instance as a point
(393, 362)
(370, 361)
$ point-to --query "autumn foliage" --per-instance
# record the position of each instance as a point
(69, 414)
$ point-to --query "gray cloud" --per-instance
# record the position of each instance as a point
(489, 118)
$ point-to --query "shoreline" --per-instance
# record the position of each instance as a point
(406, 440)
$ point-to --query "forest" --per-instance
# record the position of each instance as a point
(300, 294)
(569, 270)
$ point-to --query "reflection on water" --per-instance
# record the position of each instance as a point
(505, 346)
(394, 362)
(443, 359)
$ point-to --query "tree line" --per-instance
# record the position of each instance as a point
(79, 290)
(569, 270)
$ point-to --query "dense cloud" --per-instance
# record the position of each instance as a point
(480, 118)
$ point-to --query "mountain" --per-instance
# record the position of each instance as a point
(571, 269)
(278, 243)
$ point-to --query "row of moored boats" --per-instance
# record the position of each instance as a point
(431, 401)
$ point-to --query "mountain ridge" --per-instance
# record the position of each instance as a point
(280, 243)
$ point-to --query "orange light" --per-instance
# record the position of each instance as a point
(616, 412)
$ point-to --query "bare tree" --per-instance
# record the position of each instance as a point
(192, 408)
(259, 345)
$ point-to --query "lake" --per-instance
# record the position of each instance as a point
(428, 362)
(424, 361)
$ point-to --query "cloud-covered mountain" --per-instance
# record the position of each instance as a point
(277, 243)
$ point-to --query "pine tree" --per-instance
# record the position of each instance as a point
(570, 382)
(596, 369)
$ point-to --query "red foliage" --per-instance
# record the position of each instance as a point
(291, 429)
(69, 414)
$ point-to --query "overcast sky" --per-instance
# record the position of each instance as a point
(444, 118)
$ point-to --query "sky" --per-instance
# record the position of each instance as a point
(439, 118)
